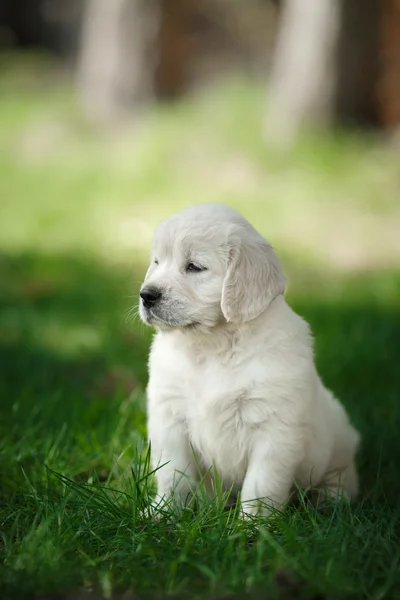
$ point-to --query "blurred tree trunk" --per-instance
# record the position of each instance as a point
(389, 83)
(118, 56)
(326, 66)
(358, 62)
(175, 46)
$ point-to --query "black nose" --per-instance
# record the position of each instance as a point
(150, 296)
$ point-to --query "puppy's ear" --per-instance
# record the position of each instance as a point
(254, 278)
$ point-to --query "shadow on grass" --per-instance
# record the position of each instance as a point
(68, 358)
(68, 363)
(357, 354)
(62, 316)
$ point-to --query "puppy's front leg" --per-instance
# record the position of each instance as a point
(173, 458)
(270, 473)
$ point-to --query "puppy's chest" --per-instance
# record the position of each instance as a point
(222, 410)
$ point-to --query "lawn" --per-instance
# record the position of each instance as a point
(77, 210)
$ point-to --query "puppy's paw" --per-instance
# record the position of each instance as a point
(254, 508)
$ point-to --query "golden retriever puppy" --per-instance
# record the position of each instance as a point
(233, 385)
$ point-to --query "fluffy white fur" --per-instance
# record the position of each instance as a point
(233, 386)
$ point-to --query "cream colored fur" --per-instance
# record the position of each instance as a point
(232, 384)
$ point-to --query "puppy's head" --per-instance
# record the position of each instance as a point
(208, 266)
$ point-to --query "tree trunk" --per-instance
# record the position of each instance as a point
(389, 83)
(175, 47)
(358, 63)
(302, 78)
(118, 56)
(325, 67)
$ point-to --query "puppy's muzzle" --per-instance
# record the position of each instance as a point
(150, 296)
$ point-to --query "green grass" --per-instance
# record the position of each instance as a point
(76, 214)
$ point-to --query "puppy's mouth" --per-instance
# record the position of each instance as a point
(152, 318)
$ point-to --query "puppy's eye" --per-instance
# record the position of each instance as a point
(192, 268)
(156, 261)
